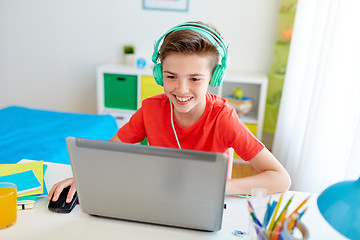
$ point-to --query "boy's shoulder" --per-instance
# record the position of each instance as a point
(217, 102)
(215, 98)
(220, 109)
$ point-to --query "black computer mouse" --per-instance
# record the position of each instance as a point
(61, 206)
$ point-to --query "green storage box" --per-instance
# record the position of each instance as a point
(271, 115)
(275, 84)
(281, 53)
(120, 91)
(286, 23)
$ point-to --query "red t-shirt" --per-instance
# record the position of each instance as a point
(218, 129)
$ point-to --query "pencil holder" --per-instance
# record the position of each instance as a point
(300, 232)
(260, 233)
(287, 234)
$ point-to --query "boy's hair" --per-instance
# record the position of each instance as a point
(190, 42)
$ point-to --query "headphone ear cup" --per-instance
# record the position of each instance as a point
(218, 76)
(157, 73)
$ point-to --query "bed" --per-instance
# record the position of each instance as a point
(27, 133)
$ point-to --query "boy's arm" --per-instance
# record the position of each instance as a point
(115, 138)
(272, 176)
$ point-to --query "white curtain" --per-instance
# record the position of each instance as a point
(317, 136)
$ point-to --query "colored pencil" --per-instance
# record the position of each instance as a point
(302, 213)
(248, 200)
(298, 218)
(301, 204)
(284, 209)
(292, 221)
(272, 223)
(278, 223)
(276, 233)
(254, 217)
(272, 208)
(283, 216)
(266, 216)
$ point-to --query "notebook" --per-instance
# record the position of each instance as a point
(180, 188)
(25, 181)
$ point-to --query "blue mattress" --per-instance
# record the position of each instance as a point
(40, 135)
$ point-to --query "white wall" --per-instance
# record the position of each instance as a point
(49, 49)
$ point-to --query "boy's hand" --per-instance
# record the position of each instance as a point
(58, 187)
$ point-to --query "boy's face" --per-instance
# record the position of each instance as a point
(186, 79)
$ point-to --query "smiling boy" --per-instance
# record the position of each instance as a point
(187, 116)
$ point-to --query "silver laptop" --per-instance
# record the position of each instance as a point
(181, 188)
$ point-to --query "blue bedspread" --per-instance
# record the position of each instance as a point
(40, 135)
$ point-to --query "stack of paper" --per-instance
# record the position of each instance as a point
(28, 176)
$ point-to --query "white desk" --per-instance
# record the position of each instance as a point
(40, 223)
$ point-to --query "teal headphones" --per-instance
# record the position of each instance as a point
(207, 32)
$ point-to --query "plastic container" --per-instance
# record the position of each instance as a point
(300, 232)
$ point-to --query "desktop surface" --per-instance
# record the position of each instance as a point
(40, 223)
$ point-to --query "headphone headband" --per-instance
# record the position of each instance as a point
(207, 32)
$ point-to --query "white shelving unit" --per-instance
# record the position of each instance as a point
(254, 85)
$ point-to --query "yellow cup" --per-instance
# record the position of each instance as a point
(8, 206)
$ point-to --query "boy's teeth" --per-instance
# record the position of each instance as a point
(183, 99)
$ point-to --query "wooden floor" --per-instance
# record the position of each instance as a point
(242, 170)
